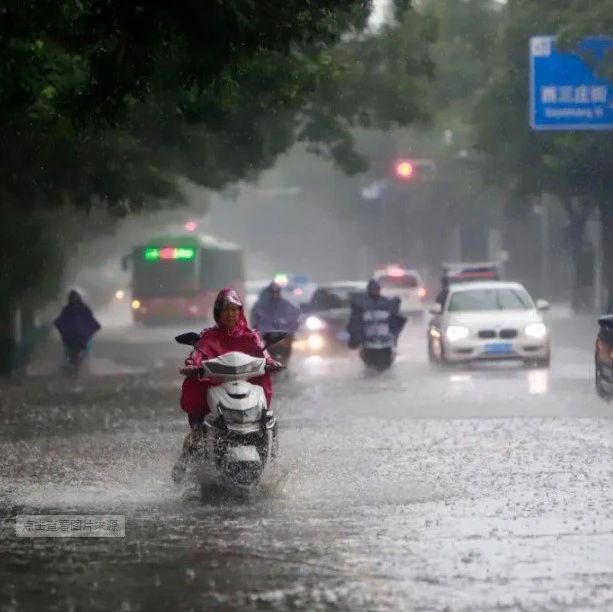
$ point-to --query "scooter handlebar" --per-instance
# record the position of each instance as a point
(199, 371)
(192, 371)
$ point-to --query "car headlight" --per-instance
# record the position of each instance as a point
(457, 332)
(240, 416)
(316, 342)
(313, 323)
(536, 330)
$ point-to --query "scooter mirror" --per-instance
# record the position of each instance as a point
(189, 338)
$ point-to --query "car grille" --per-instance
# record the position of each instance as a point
(507, 334)
(487, 333)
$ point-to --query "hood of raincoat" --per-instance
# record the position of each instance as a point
(74, 297)
(373, 287)
(225, 296)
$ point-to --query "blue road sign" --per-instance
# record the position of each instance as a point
(565, 93)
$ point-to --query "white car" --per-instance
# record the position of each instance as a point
(404, 284)
(490, 320)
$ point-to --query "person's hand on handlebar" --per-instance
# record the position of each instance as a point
(274, 366)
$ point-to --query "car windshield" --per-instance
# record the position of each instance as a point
(490, 299)
(328, 298)
(405, 281)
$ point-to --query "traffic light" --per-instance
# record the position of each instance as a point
(405, 169)
(415, 170)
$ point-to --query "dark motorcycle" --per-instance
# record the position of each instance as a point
(74, 359)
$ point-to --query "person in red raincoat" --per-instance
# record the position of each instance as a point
(230, 334)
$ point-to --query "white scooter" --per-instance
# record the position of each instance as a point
(241, 430)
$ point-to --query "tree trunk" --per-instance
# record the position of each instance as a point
(7, 340)
(606, 229)
(28, 321)
(575, 243)
(578, 213)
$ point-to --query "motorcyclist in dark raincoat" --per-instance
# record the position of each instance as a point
(77, 326)
(272, 312)
(374, 301)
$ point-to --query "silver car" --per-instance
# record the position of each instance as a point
(490, 320)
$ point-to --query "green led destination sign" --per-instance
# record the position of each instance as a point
(169, 253)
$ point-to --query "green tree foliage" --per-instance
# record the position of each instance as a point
(105, 103)
(73, 71)
(574, 166)
(463, 54)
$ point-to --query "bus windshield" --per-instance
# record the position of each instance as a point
(164, 278)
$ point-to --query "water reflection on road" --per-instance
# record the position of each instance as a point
(486, 487)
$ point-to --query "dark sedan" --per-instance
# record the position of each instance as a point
(604, 357)
(325, 317)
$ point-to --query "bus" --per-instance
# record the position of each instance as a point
(176, 278)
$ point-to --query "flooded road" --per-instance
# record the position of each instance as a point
(488, 488)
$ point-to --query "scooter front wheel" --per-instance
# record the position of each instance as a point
(378, 359)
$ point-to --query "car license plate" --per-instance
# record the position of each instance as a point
(498, 348)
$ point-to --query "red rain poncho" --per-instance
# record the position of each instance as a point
(216, 341)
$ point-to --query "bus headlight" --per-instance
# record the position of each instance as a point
(136, 304)
(536, 330)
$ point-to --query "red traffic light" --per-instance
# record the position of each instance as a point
(404, 169)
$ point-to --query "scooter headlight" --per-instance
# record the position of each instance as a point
(536, 330)
(240, 416)
(457, 332)
(314, 323)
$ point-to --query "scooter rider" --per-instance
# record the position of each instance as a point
(77, 326)
(230, 334)
(374, 301)
(272, 312)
